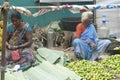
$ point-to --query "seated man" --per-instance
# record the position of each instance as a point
(87, 44)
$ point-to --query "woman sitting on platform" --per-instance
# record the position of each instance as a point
(87, 44)
(19, 40)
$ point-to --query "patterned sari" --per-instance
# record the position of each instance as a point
(25, 55)
(82, 49)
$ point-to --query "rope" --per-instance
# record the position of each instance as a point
(24, 9)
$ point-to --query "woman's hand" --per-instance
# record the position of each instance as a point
(12, 47)
(88, 42)
(93, 46)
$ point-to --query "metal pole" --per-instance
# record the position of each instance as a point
(3, 61)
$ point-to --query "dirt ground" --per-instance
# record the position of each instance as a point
(70, 52)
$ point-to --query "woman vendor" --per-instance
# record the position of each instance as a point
(87, 44)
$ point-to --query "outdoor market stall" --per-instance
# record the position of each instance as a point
(24, 10)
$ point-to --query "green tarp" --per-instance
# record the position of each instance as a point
(51, 55)
(48, 71)
(47, 18)
(45, 68)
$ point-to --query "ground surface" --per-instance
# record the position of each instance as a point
(70, 52)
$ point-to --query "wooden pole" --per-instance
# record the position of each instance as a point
(3, 61)
(95, 16)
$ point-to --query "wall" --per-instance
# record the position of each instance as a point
(113, 17)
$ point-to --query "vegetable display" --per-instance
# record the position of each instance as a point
(106, 69)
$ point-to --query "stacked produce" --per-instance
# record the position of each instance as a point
(116, 48)
(106, 69)
(1, 30)
(90, 71)
(112, 64)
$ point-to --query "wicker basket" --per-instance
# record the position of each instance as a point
(112, 46)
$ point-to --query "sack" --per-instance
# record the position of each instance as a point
(15, 55)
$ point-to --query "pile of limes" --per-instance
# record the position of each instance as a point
(116, 48)
(90, 71)
(112, 63)
(106, 69)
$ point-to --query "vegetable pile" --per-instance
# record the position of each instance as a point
(106, 69)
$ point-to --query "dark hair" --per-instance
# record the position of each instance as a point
(16, 15)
